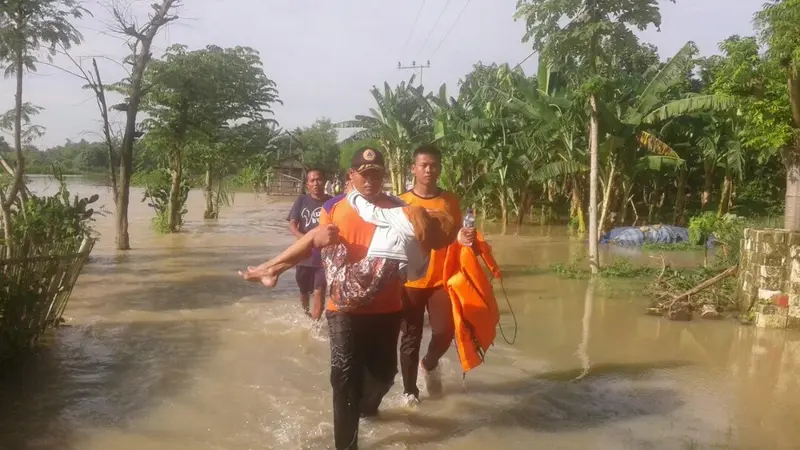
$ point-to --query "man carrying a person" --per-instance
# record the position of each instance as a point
(429, 292)
(363, 337)
(304, 217)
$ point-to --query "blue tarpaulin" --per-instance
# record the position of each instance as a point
(654, 234)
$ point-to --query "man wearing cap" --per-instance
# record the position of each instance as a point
(363, 340)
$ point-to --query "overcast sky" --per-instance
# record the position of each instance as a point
(325, 54)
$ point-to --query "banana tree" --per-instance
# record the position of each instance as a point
(477, 132)
(555, 122)
(493, 126)
(453, 132)
(721, 149)
(400, 123)
(628, 125)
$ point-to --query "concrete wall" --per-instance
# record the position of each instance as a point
(769, 276)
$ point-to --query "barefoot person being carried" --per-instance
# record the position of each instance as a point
(404, 235)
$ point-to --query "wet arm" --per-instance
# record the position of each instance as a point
(295, 253)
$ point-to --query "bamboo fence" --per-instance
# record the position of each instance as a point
(35, 286)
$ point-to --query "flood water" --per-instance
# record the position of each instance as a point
(165, 348)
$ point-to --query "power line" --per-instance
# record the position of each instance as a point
(526, 58)
(413, 27)
(446, 4)
(451, 27)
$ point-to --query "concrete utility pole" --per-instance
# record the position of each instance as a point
(414, 66)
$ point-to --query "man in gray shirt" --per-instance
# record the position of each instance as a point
(304, 217)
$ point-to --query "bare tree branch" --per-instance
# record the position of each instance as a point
(101, 103)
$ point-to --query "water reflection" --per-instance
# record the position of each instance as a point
(583, 348)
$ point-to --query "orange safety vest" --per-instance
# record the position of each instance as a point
(475, 312)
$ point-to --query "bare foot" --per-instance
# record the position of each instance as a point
(269, 277)
(266, 275)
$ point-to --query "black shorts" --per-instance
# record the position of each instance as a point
(309, 278)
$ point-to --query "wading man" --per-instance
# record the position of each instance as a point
(304, 217)
(363, 337)
(429, 292)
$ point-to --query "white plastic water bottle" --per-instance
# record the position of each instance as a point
(469, 223)
(469, 219)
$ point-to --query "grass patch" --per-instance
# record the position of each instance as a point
(621, 268)
(678, 247)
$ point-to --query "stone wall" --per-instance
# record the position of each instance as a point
(769, 276)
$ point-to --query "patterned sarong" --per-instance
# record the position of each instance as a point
(352, 285)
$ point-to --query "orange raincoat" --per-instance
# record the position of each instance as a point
(475, 312)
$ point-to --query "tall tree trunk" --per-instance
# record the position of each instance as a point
(594, 261)
(725, 198)
(126, 150)
(523, 208)
(100, 92)
(679, 217)
(708, 185)
(210, 212)
(577, 206)
(652, 203)
(609, 188)
(791, 160)
(551, 199)
(503, 211)
(625, 199)
(16, 183)
(175, 206)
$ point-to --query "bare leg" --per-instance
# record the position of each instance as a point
(269, 271)
(318, 303)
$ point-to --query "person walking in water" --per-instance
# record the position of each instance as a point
(428, 292)
(364, 245)
(363, 336)
(304, 217)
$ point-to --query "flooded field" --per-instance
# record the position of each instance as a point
(167, 349)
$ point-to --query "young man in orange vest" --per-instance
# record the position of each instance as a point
(429, 292)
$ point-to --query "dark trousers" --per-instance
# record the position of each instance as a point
(363, 367)
(440, 315)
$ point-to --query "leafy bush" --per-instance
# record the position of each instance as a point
(702, 227)
(57, 218)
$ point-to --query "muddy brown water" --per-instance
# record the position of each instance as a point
(166, 349)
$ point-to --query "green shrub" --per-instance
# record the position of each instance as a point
(156, 192)
(702, 227)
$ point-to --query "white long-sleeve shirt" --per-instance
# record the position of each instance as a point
(394, 236)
